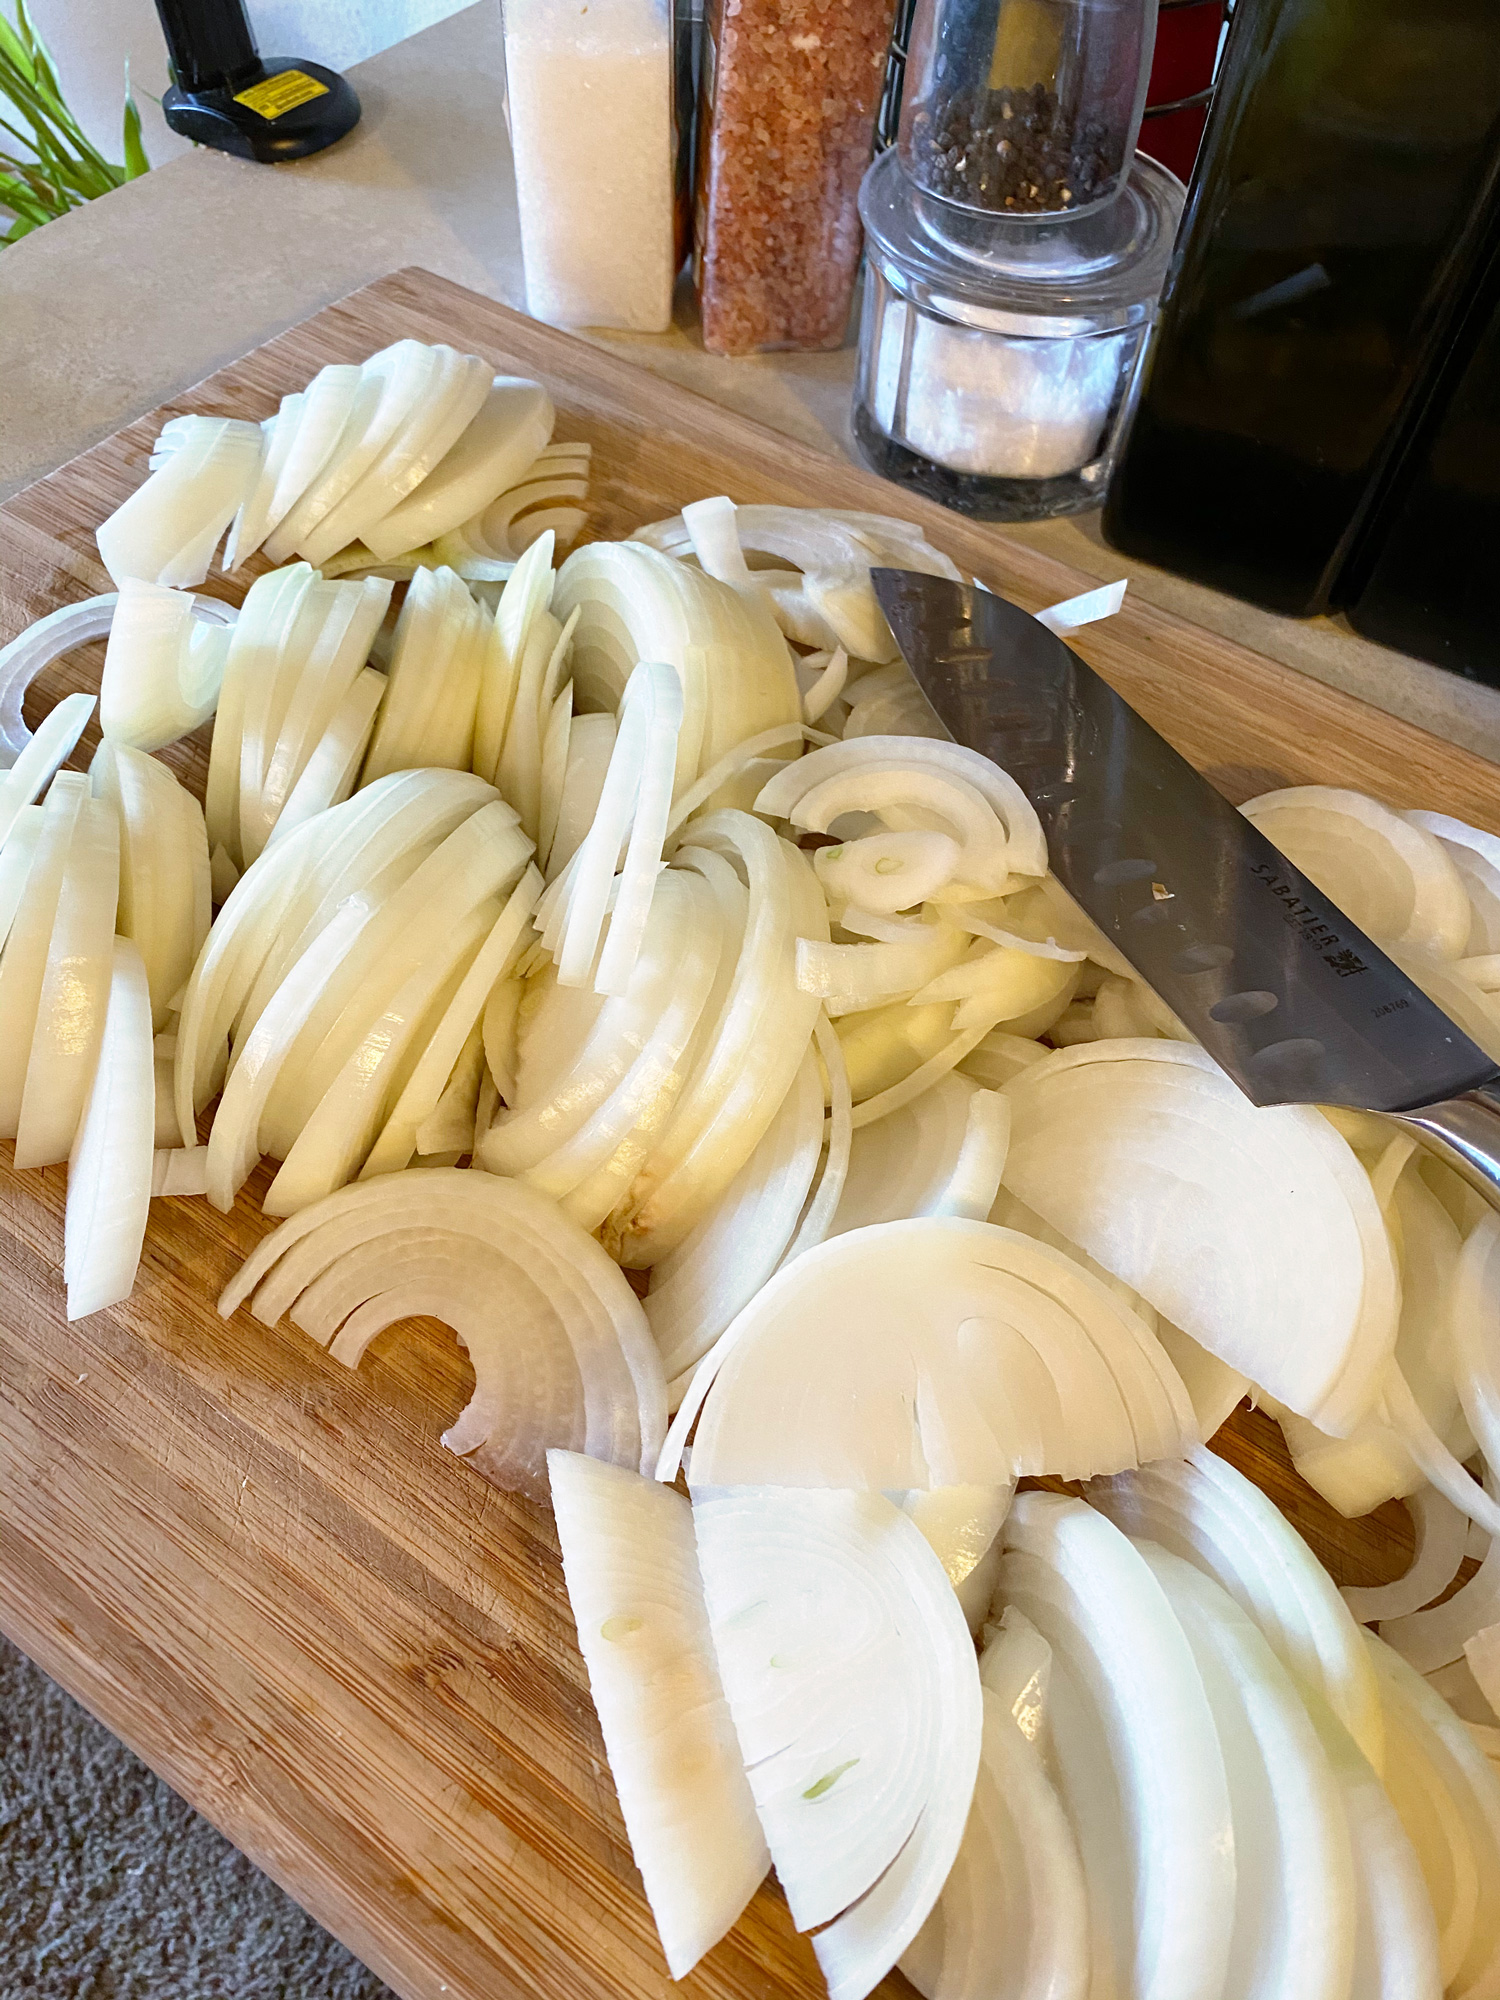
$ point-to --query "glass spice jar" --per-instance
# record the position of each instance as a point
(1025, 107)
(786, 123)
(997, 356)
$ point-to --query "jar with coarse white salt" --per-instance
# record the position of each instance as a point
(597, 95)
(997, 355)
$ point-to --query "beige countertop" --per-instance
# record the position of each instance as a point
(108, 312)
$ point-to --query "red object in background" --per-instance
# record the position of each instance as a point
(1182, 74)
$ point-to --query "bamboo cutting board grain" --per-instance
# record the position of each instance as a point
(262, 1570)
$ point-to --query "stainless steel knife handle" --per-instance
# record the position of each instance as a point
(1464, 1133)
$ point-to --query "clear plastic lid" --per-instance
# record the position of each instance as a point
(1025, 107)
(1051, 277)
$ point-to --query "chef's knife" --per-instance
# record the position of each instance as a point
(1288, 996)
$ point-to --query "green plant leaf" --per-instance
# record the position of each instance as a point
(59, 168)
(136, 162)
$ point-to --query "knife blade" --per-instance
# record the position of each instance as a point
(1284, 991)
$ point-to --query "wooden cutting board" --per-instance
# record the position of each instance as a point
(261, 1570)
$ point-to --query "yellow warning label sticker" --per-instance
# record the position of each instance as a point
(278, 94)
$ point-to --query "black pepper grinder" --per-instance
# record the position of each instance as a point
(223, 94)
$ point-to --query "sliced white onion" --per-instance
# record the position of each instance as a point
(164, 867)
(885, 872)
(951, 1050)
(487, 974)
(1396, 1940)
(280, 903)
(1448, 1797)
(1138, 1758)
(838, 1139)
(561, 1347)
(658, 692)
(902, 1164)
(1027, 846)
(1476, 855)
(848, 978)
(1294, 1901)
(110, 1163)
(1436, 1636)
(248, 528)
(1216, 1519)
(631, 1565)
(1012, 1923)
(735, 668)
(697, 1289)
(335, 1136)
(179, 1170)
(980, 1166)
(750, 1050)
(491, 453)
(73, 994)
(1394, 879)
(584, 1146)
(550, 498)
(961, 1525)
(333, 764)
(827, 688)
(527, 593)
(167, 530)
(381, 954)
(433, 684)
(1146, 1155)
(1441, 1531)
(40, 759)
(835, 553)
(319, 427)
(1022, 1363)
(412, 441)
(854, 1691)
(162, 667)
(1087, 608)
(998, 1056)
(34, 650)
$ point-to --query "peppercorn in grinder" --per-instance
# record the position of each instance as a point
(1015, 249)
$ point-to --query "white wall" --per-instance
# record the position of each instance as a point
(90, 40)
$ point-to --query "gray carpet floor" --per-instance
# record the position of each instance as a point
(112, 1888)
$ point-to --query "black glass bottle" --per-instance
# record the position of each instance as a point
(1327, 252)
(1424, 579)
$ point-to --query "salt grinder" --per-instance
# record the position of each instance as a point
(1015, 248)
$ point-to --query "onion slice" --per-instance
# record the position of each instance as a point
(558, 1339)
(1148, 1157)
(1441, 1531)
(1393, 878)
(1012, 1923)
(1294, 1909)
(110, 1167)
(1216, 1519)
(631, 1564)
(42, 756)
(32, 651)
(1448, 1797)
(74, 991)
(1139, 1764)
(491, 453)
(854, 1691)
(930, 1353)
(1010, 805)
